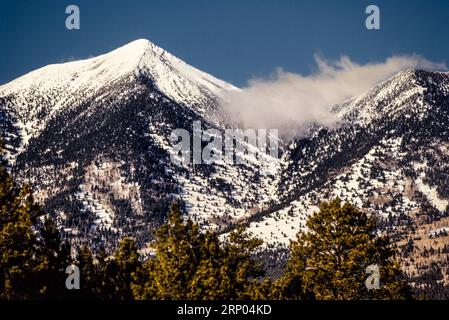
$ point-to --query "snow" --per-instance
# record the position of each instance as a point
(104, 215)
(57, 85)
(207, 204)
(391, 97)
(43, 93)
(282, 226)
(178, 80)
(431, 194)
(436, 232)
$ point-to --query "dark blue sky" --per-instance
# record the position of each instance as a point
(232, 39)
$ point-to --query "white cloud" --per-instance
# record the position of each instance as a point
(290, 102)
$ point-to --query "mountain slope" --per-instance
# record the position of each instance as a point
(92, 138)
(390, 157)
(39, 95)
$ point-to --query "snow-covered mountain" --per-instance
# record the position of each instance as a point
(390, 157)
(92, 138)
(41, 94)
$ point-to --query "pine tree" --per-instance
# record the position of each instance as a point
(56, 253)
(209, 282)
(330, 260)
(124, 269)
(178, 253)
(105, 285)
(19, 263)
(240, 266)
(189, 264)
(90, 286)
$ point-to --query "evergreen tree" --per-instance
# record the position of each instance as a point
(240, 266)
(189, 264)
(227, 270)
(90, 286)
(124, 269)
(329, 261)
(105, 285)
(57, 257)
(178, 253)
(209, 280)
(19, 263)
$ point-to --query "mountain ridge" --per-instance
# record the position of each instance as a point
(98, 152)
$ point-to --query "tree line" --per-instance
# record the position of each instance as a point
(184, 262)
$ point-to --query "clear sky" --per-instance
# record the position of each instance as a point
(234, 40)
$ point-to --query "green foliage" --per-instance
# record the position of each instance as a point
(240, 264)
(56, 254)
(327, 262)
(330, 260)
(189, 264)
(18, 244)
(32, 259)
(90, 286)
(125, 269)
(107, 278)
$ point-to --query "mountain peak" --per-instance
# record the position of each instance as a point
(413, 75)
(139, 43)
(139, 66)
(172, 76)
(405, 92)
(137, 49)
(103, 69)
